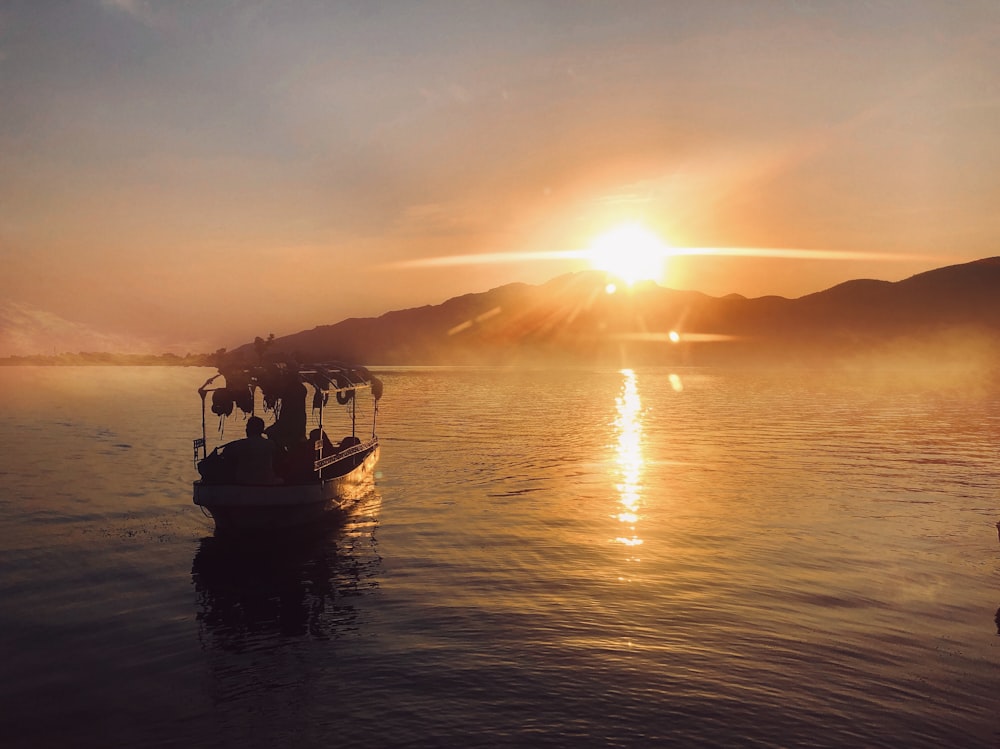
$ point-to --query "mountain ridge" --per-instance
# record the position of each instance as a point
(571, 319)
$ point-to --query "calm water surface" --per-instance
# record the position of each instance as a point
(575, 558)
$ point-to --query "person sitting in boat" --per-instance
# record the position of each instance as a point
(349, 441)
(299, 467)
(315, 435)
(253, 457)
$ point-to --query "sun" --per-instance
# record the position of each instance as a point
(629, 252)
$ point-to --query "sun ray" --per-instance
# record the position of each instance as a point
(492, 258)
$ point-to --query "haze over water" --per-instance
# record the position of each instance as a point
(687, 557)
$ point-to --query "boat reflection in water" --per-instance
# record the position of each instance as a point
(253, 594)
(628, 424)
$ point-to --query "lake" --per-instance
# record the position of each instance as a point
(656, 557)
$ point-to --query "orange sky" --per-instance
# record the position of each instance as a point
(187, 176)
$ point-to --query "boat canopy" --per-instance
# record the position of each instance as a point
(277, 379)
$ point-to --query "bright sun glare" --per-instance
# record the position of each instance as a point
(630, 252)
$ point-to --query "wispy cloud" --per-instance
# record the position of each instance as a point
(491, 258)
(437, 219)
(140, 10)
(26, 330)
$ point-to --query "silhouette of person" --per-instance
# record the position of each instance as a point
(253, 456)
(299, 468)
(316, 434)
(290, 428)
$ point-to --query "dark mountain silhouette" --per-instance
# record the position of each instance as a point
(571, 319)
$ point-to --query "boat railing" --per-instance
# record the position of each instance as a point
(349, 452)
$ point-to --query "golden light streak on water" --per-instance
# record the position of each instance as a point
(629, 457)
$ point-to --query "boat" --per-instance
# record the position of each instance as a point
(303, 478)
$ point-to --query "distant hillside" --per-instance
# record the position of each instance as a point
(105, 359)
(571, 319)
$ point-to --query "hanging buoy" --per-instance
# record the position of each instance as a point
(343, 398)
(243, 398)
(222, 402)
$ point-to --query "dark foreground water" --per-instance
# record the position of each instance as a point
(590, 558)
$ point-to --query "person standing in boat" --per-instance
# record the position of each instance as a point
(289, 431)
(254, 456)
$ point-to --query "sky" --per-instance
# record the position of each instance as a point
(185, 175)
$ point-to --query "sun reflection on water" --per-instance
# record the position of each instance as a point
(629, 458)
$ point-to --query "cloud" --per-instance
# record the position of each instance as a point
(26, 330)
(436, 219)
(137, 9)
